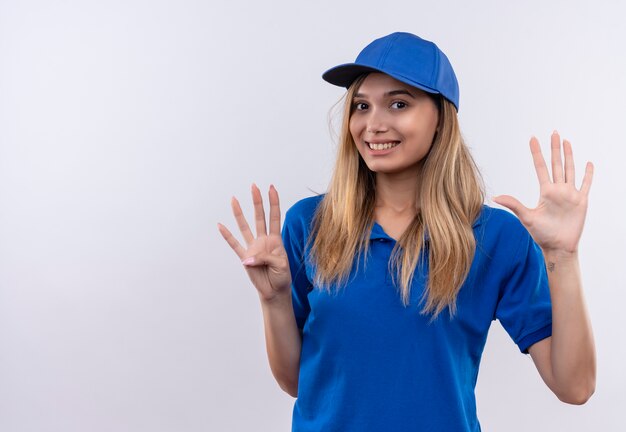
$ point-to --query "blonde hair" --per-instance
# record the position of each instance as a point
(450, 197)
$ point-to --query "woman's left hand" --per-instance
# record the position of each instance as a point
(556, 224)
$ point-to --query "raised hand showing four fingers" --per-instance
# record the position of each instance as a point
(557, 222)
(264, 258)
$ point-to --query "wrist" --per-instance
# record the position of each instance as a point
(559, 255)
(561, 262)
(277, 300)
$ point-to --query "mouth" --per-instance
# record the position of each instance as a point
(382, 146)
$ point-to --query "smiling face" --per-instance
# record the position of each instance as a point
(392, 124)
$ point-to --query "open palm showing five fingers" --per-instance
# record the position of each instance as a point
(265, 258)
(556, 224)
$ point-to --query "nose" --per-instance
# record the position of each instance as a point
(375, 123)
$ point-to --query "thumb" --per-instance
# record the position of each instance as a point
(263, 258)
(512, 204)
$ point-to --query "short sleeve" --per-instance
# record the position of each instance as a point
(294, 240)
(524, 308)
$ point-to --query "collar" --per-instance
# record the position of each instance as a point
(378, 233)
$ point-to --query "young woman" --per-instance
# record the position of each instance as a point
(378, 296)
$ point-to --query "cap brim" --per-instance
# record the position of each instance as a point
(345, 74)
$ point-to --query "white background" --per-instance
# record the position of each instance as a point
(126, 127)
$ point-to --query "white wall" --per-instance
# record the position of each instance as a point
(125, 128)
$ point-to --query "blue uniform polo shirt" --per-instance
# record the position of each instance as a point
(370, 364)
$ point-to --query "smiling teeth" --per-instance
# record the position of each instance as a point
(384, 146)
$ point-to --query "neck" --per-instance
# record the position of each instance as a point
(397, 193)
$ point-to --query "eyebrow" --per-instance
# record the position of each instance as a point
(389, 93)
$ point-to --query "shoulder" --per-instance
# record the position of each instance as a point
(501, 229)
(298, 221)
(304, 209)
(495, 219)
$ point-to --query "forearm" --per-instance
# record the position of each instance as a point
(283, 342)
(572, 349)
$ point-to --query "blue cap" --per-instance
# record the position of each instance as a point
(405, 57)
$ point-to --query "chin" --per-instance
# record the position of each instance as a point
(384, 170)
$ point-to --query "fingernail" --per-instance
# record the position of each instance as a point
(248, 261)
(554, 132)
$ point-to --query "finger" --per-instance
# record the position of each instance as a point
(587, 179)
(259, 211)
(241, 222)
(570, 175)
(232, 241)
(265, 258)
(557, 164)
(274, 211)
(540, 164)
(513, 204)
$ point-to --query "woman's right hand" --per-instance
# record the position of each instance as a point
(264, 258)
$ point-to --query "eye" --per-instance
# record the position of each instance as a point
(359, 106)
(399, 104)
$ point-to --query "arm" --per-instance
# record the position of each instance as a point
(283, 342)
(267, 265)
(566, 360)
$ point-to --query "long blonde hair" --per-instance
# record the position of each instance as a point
(451, 194)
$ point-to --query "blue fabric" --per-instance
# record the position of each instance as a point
(370, 364)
